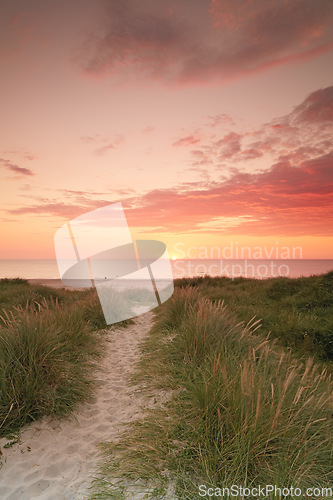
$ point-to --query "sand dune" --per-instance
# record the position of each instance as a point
(56, 460)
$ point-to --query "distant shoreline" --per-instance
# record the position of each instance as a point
(46, 271)
(54, 283)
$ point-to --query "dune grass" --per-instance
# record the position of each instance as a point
(49, 342)
(298, 312)
(243, 411)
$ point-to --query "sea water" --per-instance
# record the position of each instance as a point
(252, 268)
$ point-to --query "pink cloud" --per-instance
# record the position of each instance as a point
(87, 139)
(187, 141)
(293, 197)
(63, 210)
(316, 108)
(15, 168)
(251, 154)
(284, 200)
(228, 146)
(200, 158)
(304, 133)
(188, 41)
(220, 119)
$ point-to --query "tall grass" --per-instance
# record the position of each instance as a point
(48, 349)
(243, 410)
(298, 312)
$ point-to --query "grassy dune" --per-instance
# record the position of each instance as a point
(249, 405)
(244, 410)
(48, 346)
(298, 312)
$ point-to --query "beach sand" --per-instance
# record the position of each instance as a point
(56, 460)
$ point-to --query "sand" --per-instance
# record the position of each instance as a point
(57, 460)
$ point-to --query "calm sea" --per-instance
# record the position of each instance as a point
(253, 268)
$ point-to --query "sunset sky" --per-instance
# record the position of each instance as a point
(211, 121)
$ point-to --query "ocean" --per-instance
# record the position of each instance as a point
(252, 268)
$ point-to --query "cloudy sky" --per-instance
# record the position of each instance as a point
(211, 121)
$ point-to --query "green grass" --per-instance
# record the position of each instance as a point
(49, 343)
(298, 312)
(17, 292)
(243, 409)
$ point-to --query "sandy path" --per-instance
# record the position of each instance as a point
(62, 457)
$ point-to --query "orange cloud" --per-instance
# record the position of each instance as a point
(292, 197)
(15, 168)
(285, 200)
